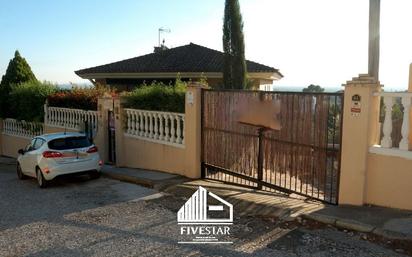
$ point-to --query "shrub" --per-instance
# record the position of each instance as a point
(26, 100)
(78, 98)
(157, 97)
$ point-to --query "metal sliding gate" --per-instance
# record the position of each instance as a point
(303, 157)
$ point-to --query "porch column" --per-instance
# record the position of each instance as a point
(360, 131)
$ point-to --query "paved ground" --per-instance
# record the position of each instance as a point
(81, 217)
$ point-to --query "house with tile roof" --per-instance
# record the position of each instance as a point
(190, 62)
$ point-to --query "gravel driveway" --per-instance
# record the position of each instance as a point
(81, 217)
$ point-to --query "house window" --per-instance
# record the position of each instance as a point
(266, 87)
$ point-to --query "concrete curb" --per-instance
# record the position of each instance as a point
(328, 220)
(7, 160)
(159, 185)
(356, 226)
(129, 179)
(392, 235)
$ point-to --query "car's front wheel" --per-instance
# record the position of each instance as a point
(20, 173)
(40, 178)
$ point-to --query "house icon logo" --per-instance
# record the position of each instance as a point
(205, 218)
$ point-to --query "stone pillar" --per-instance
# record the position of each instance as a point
(119, 125)
(104, 104)
(193, 130)
(360, 131)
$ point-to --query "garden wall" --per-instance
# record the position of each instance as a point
(11, 144)
(162, 141)
(15, 135)
(388, 181)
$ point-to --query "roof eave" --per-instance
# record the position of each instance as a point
(159, 75)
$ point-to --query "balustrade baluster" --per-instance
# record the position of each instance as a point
(135, 123)
(387, 124)
(141, 121)
(179, 130)
(167, 132)
(172, 130)
(150, 115)
(129, 122)
(53, 119)
(184, 129)
(406, 102)
(146, 124)
(156, 127)
(161, 127)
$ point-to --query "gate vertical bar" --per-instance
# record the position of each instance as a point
(202, 136)
(260, 158)
(342, 99)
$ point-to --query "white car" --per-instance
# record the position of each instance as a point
(51, 155)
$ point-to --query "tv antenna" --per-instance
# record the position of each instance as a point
(163, 30)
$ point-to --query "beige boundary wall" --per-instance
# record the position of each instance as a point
(138, 153)
(11, 144)
(184, 160)
(389, 181)
(370, 173)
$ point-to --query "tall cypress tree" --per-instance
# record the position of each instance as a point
(17, 72)
(234, 70)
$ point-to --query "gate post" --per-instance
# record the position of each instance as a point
(359, 132)
(103, 105)
(193, 130)
(119, 134)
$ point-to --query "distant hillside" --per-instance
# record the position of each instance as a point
(300, 88)
(68, 86)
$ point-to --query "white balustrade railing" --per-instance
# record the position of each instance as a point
(69, 118)
(22, 128)
(160, 127)
(389, 99)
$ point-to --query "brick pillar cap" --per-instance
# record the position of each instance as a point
(197, 85)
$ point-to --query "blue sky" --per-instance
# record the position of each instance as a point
(319, 41)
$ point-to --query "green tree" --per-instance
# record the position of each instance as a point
(17, 72)
(234, 69)
(314, 89)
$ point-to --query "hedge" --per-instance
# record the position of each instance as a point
(157, 97)
(78, 98)
(26, 100)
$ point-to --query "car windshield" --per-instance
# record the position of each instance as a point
(69, 143)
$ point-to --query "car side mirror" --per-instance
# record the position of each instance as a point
(20, 151)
